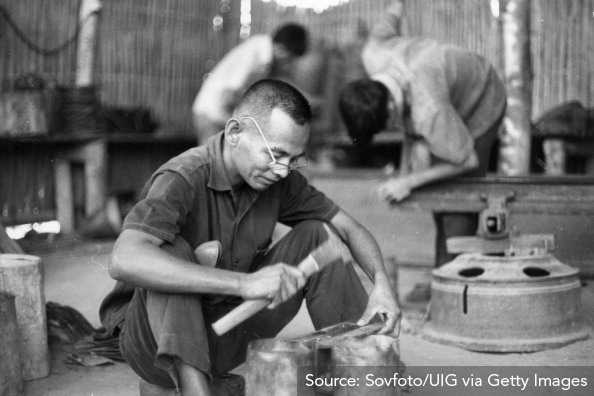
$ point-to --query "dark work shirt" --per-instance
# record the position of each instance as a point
(191, 196)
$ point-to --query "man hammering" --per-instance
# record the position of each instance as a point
(233, 190)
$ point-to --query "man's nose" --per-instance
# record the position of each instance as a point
(284, 172)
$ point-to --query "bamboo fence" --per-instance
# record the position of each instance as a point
(562, 36)
(562, 53)
(156, 53)
(151, 53)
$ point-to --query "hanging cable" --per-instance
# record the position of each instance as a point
(34, 47)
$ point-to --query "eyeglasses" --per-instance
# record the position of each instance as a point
(275, 166)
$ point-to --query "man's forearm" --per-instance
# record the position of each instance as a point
(367, 254)
(440, 172)
(148, 266)
(361, 244)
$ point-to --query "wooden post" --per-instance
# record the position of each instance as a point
(64, 200)
(93, 155)
(514, 154)
(555, 156)
(87, 42)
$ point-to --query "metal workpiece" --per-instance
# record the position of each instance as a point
(272, 368)
(313, 363)
(501, 303)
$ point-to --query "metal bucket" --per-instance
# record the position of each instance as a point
(22, 276)
(277, 368)
(374, 361)
(11, 379)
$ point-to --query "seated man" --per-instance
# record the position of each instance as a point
(448, 102)
(233, 190)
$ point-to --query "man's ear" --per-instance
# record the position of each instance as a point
(232, 130)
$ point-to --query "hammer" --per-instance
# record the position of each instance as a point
(321, 256)
(208, 254)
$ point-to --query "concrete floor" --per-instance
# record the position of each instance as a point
(76, 275)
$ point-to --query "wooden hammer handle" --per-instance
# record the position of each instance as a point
(249, 308)
(245, 310)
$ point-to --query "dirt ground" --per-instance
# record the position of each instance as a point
(76, 276)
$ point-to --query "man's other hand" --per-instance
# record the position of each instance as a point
(382, 302)
(396, 189)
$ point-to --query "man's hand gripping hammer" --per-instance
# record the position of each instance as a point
(324, 254)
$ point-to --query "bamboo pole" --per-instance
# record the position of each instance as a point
(134, 75)
(514, 155)
(587, 49)
(87, 42)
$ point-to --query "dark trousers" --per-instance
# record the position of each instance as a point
(162, 329)
(463, 224)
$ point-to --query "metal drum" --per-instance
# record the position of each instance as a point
(505, 303)
(22, 275)
(373, 361)
(11, 378)
(272, 368)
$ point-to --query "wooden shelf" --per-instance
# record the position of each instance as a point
(388, 137)
(57, 138)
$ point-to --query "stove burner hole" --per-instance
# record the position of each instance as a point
(465, 300)
(471, 272)
(535, 272)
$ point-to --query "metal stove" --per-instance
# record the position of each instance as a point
(505, 292)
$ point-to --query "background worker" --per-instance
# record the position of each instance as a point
(258, 57)
(233, 190)
(450, 104)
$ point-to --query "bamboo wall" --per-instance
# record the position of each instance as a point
(26, 183)
(562, 52)
(48, 24)
(562, 36)
(154, 53)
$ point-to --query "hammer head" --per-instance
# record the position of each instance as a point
(208, 254)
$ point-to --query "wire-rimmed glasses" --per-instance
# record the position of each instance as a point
(294, 164)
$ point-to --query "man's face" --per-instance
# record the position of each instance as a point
(285, 138)
(284, 60)
(281, 54)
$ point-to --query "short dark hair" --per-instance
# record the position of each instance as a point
(265, 95)
(363, 106)
(293, 37)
